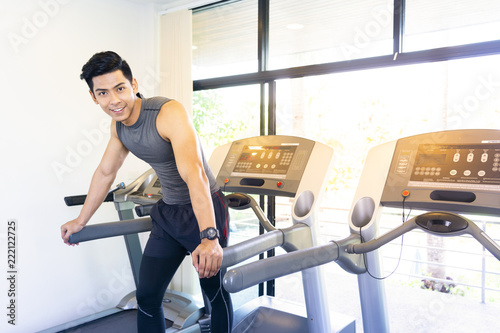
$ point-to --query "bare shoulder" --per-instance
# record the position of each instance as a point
(172, 119)
(172, 109)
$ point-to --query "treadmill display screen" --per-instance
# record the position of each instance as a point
(457, 166)
(431, 159)
(264, 160)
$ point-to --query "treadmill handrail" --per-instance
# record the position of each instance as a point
(76, 200)
(111, 229)
(241, 201)
(246, 249)
(232, 254)
(248, 275)
(466, 227)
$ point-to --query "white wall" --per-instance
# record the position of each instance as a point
(51, 139)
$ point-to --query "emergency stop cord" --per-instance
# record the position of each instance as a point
(405, 194)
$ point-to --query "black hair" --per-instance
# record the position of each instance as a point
(104, 63)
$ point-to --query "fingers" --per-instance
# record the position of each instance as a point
(195, 259)
(206, 268)
(63, 233)
(66, 232)
(206, 263)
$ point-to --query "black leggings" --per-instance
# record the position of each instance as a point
(155, 276)
(162, 257)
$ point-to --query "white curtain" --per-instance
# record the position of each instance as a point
(175, 57)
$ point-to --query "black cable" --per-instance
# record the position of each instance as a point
(405, 218)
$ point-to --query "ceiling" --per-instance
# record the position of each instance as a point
(176, 4)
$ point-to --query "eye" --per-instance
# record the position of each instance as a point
(102, 93)
(121, 88)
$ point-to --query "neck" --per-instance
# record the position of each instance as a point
(134, 115)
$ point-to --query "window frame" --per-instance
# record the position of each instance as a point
(267, 78)
(398, 58)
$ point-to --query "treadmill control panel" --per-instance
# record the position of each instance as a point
(150, 195)
(449, 170)
(271, 165)
(454, 166)
(271, 161)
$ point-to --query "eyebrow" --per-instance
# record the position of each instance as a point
(102, 89)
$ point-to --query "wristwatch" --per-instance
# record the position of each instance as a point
(210, 233)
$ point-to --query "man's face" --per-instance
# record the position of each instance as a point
(116, 95)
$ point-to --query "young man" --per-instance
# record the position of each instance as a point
(159, 131)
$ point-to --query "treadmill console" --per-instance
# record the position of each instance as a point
(271, 165)
(150, 195)
(455, 170)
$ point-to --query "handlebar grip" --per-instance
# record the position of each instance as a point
(111, 229)
(143, 210)
(240, 201)
(245, 276)
(76, 200)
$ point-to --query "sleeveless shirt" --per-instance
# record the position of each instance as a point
(143, 140)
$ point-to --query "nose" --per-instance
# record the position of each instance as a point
(114, 98)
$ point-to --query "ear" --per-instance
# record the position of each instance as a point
(93, 97)
(135, 86)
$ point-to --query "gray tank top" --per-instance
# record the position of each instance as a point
(144, 141)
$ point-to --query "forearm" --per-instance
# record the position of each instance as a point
(201, 200)
(99, 188)
(207, 257)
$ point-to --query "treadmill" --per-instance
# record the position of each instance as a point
(182, 311)
(284, 166)
(272, 165)
(446, 173)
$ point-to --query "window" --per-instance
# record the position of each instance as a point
(331, 76)
(431, 24)
(225, 40)
(221, 116)
(353, 112)
(314, 32)
(227, 114)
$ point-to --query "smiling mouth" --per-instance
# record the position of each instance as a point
(117, 110)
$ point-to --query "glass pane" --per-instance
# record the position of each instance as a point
(313, 32)
(244, 225)
(431, 24)
(353, 112)
(225, 40)
(227, 114)
(221, 116)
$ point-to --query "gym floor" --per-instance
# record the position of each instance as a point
(411, 310)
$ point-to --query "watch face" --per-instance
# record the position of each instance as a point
(212, 233)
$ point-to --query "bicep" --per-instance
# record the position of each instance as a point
(175, 125)
(187, 154)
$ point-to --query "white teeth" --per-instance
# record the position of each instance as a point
(117, 110)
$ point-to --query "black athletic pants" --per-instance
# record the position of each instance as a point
(175, 233)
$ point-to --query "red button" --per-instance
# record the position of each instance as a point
(279, 184)
(405, 193)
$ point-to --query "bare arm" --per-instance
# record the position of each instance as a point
(175, 125)
(101, 182)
